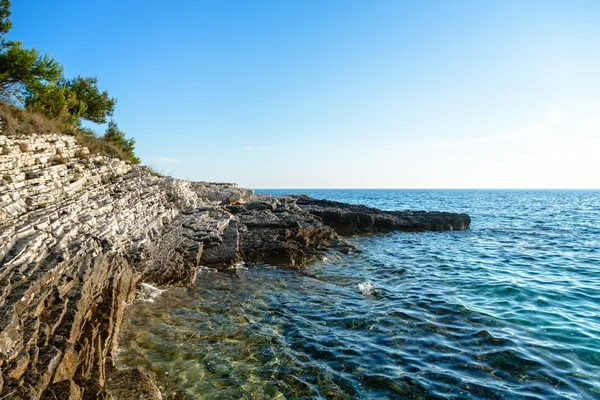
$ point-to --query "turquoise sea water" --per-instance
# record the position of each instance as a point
(508, 309)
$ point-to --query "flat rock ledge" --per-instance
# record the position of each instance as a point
(79, 233)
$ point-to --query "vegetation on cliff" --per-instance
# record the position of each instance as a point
(35, 97)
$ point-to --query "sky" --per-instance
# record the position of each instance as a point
(342, 93)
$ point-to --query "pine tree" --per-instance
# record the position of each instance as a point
(24, 71)
(117, 137)
(72, 100)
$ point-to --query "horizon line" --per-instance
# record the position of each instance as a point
(409, 188)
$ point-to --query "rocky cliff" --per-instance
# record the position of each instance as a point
(79, 233)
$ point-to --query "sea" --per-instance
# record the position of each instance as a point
(509, 309)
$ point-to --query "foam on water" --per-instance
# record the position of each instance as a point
(148, 293)
(366, 288)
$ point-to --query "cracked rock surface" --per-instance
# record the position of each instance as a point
(80, 233)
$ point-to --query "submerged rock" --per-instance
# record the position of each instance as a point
(133, 384)
(78, 236)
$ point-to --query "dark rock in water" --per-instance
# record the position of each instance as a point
(348, 219)
(217, 365)
(69, 268)
(282, 234)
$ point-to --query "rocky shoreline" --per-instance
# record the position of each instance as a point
(79, 233)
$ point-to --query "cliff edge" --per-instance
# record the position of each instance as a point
(79, 232)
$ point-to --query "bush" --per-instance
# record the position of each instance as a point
(117, 137)
(56, 160)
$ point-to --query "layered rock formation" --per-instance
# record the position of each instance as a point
(78, 233)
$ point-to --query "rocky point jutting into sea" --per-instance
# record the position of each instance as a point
(80, 232)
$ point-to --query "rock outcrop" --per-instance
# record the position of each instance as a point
(348, 219)
(79, 233)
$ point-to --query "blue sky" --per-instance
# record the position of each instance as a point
(343, 93)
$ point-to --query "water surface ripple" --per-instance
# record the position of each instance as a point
(508, 309)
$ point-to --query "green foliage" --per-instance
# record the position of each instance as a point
(73, 100)
(54, 101)
(117, 137)
(5, 23)
(24, 71)
(93, 105)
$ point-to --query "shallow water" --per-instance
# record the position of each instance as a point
(507, 309)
